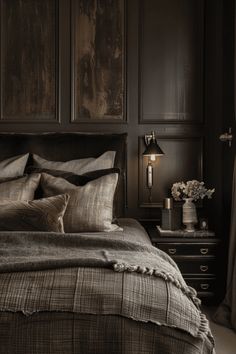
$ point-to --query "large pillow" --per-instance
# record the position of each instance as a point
(13, 166)
(37, 215)
(90, 207)
(79, 166)
(78, 180)
(21, 188)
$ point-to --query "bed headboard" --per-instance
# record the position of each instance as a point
(69, 146)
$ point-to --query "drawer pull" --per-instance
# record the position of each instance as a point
(204, 286)
(172, 251)
(204, 250)
(203, 268)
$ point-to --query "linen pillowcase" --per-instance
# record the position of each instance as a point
(90, 207)
(13, 166)
(37, 215)
(21, 188)
(79, 166)
(78, 180)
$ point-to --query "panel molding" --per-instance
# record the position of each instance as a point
(179, 117)
(111, 119)
(164, 140)
(39, 118)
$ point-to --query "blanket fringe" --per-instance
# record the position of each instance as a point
(187, 290)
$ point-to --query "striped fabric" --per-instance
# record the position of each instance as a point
(21, 188)
(90, 207)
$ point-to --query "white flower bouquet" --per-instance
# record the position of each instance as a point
(191, 189)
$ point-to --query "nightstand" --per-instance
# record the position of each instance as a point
(195, 256)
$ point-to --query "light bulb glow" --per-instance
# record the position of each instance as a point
(153, 158)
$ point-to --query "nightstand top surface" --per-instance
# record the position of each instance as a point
(203, 236)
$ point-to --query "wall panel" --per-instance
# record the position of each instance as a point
(29, 77)
(72, 59)
(171, 60)
(98, 61)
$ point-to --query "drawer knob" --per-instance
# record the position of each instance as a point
(204, 250)
(172, 251)
(204, 286)
(203, 268)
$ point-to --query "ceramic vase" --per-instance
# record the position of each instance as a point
(189, 215)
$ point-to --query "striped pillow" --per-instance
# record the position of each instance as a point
(21, 188)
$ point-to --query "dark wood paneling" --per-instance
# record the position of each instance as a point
(165, 49)
(183, 160)
(171, 60)
(98, 60)
(29, 57)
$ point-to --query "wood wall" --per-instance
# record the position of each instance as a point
(121, 66)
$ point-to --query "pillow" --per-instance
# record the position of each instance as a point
(79, 166)
(36, 215)
(13, 166)
(90, 207)
(21, 188)
(78, 180)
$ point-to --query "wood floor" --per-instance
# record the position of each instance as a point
(225, 338)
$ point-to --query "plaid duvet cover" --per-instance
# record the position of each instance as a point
(97, 310)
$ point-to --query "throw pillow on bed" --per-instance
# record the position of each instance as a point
(21, 188)
(13, 166)
(78, 166)
(90, 207)
(37, 215)
(78, 180)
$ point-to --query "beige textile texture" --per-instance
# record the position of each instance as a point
(79, 166)
(90, 207)
(44, 214)
(21, 188)
(13, 166)
(152, 303)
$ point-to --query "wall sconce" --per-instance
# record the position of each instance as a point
(152, 151)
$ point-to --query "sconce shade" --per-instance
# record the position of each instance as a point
(153, 149)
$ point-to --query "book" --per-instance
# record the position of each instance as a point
(183, 233)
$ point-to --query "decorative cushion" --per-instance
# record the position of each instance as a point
(90, 207)
(21, 188)
(78, 180)
(13, 166)
(79, 166)
(36, 215)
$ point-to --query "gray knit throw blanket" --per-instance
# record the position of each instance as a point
(28, 251)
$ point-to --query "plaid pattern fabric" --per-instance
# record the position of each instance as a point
(151, 309)
(69, 333)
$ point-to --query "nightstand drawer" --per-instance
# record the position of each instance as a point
(202, 285)
(193, 249)
(199, 266)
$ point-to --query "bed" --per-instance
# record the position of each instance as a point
(102, 289)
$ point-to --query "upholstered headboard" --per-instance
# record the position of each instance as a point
(69, 146)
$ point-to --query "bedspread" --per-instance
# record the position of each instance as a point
(97, 274)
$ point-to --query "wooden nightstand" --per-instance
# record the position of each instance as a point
(195, 256)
